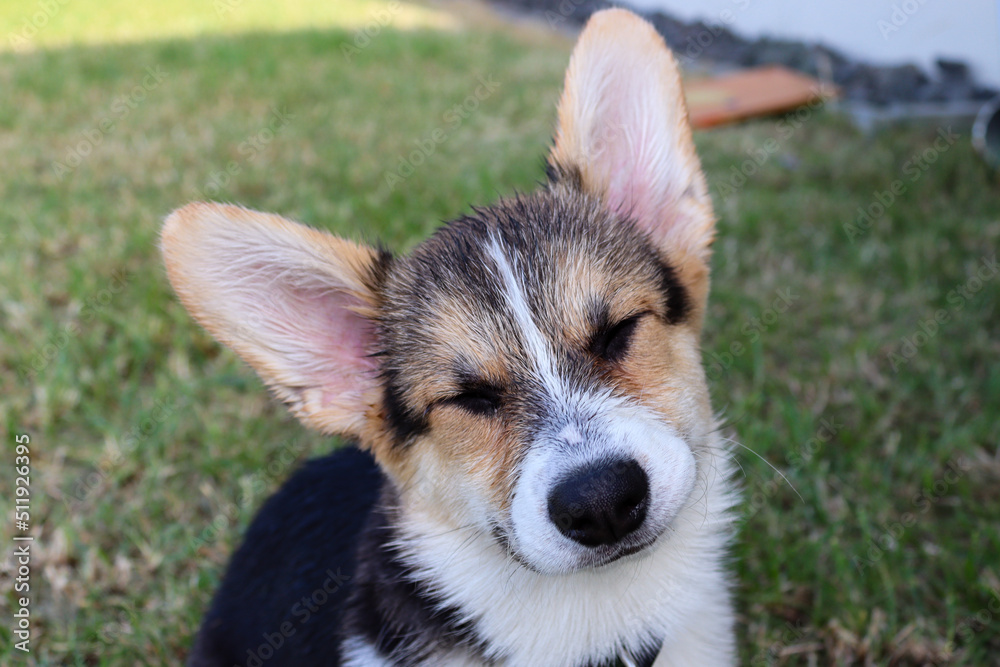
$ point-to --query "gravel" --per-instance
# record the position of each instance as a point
(709, 47)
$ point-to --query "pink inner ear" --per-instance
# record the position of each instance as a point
(290, 300)
(634, 151)
(319, 340)
(623, 123)
(349, 338)
(629, 191)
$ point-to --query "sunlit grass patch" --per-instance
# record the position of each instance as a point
(47, 23)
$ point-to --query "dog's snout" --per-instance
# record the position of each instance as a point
(601, 503)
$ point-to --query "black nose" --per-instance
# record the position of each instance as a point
(601, 503)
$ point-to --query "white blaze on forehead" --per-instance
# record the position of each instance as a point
(536, 345)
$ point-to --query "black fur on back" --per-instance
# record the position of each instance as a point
(297, 587)
(282, 598)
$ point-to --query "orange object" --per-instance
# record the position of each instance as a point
(755, 92)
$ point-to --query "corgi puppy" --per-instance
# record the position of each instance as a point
(537, 478)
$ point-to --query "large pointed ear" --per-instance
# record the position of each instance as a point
(624, 132)
(295, 303)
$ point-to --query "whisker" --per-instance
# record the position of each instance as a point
(778, 472)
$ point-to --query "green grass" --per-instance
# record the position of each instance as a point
(152, 446)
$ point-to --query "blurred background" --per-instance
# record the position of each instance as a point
(887, 33)
(852, 342)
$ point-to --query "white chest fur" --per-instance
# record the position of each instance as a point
(676, 592)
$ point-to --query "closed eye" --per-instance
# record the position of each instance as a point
(482, 400)
(613, 343)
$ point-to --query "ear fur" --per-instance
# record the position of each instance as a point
(295, 303)
(624, 132)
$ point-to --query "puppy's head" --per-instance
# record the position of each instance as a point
(531, 370)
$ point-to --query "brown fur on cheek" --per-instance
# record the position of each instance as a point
(463, 460)
(485, 449)
(663, 371)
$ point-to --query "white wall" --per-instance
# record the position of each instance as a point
(880, 31)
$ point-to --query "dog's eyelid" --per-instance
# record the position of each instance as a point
(635, 316)
(478, 399)
(627, 324)
(612, 342)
